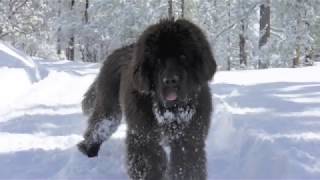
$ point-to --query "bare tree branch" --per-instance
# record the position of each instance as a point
(245, 16)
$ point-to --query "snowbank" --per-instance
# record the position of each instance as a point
(266, 124)
(17, 73)
(13, 58)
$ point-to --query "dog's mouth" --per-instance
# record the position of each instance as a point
(170, 97)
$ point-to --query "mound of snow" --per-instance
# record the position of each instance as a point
(17, 73)
(13, 58)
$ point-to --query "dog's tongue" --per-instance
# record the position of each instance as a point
(171, 96)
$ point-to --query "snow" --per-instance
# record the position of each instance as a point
(182, 116)
(13, 58)
(266, 124)
(14, 63)
(103, 130)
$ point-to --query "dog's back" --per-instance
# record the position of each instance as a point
(110, 75)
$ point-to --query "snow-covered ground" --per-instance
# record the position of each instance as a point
(266, 124)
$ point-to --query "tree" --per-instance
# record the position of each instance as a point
(264, 34)
(291, 37)
(302, 29)
(229, 58)
(86, 14)
(298, 29)
(170, 9)
(264, 23)
(59, 31)
(239, 31)
(88, 54)
(182, 8)
(11, 15)
(242, 38)
(25, 25)
(70, 48)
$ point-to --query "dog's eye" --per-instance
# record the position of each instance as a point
(183, 60)
(158, 60)
(182, 57)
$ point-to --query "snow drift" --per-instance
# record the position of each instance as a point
(13, 58)
(17, 73)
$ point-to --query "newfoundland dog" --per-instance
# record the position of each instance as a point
(160, 86)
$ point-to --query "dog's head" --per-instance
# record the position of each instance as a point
(172, 60)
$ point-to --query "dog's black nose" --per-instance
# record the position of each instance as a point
(171, 81)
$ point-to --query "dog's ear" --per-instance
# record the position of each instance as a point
(209, 66)
(141, 79)
(206, 65)
(142, 68)
(143, 60)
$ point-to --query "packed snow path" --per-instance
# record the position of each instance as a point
(266, 124)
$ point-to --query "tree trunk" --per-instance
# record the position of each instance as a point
(229, 38)
(242, 38)
(264, 23)
(296, 59)
(59, 31)
(182, 8)
(86, 15)
(86, 51)
(170, 9)
(242, 44)
(59, 42)
(70, 48)
(264, 31)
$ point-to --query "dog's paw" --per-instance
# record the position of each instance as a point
(90, 150)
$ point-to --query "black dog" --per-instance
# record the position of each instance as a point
(160, 85)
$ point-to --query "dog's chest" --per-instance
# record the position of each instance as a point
(173, 122)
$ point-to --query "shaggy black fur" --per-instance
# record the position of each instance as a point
(160, 85)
